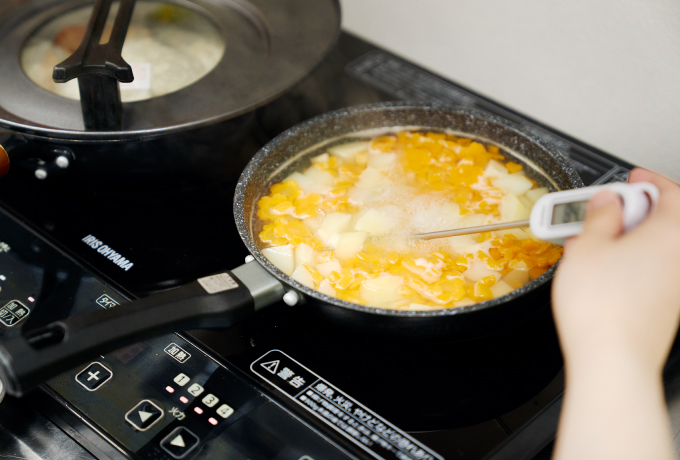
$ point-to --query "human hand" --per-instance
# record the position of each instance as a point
(617, 295)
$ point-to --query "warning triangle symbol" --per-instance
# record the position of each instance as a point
(144, 416)
(271, 366)
(178, 441)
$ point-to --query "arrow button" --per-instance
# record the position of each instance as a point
(179, 442)
(144, 415)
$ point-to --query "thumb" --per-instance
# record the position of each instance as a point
(604, 216)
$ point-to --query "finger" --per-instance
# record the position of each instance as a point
(604, 216)
(669, 191)
(644, 175)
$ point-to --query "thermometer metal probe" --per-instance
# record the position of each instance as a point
(557, 216)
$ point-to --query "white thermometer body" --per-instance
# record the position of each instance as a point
(559, 215)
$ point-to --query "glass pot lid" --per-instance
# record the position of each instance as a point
(168, 46)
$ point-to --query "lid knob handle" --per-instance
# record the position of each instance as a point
(99, 67)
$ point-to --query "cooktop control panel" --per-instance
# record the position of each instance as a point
(160, 399)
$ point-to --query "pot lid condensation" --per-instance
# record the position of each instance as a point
(250, 53)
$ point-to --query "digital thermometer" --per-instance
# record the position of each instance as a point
(557, 216)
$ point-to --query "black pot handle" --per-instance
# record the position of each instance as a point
(216, 301)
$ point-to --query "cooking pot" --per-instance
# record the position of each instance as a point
(223, 299)
(269, 46)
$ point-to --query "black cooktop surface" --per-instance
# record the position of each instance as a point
(492, 397)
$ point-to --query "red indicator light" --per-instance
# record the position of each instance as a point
(212, 421)
(183, 399)
(31, 299)
(169, 389)
(198, 410)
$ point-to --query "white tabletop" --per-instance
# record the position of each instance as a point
(605, 71)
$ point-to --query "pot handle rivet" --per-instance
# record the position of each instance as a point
(291, 298)
(249, 259)
(41, 174)
(62, 161)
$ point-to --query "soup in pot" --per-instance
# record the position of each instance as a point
(341, 225)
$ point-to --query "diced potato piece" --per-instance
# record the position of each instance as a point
(419, 307)
(331, 225)
(305, 254)
(479, 270)
(536, 193)
(472, 220)
(495, 169)
(358, 195)
(516, 278)
(326, 288)
(348, 244)
(370, 179)
(307, 184)
(324, 157)
(435, 217)
(327, 268)
(512, 209)
(448, 216)
(381, 161)
(283, 257)
(375, 222)
(526, 202)
(349, 150)
(302, 276)
(501, 288)
(321, 176)
(513, 183)
(313, 223)
(381, 290)
(461, 243)
(518, 233)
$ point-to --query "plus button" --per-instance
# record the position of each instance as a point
(93, 376)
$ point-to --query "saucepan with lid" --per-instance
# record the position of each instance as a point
(223, 299)
(92, 90)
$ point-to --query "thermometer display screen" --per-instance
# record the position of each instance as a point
(566, 213)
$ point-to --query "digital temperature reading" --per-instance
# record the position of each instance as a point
(569, 212)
